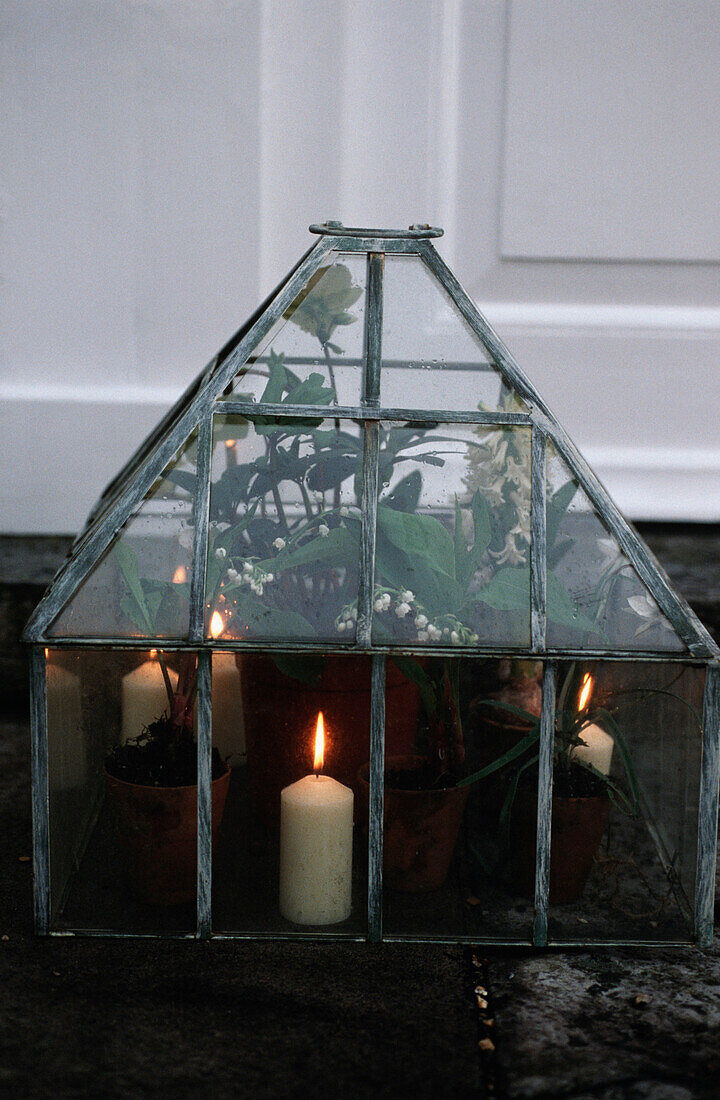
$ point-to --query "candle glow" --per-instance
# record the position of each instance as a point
(180, 575)
(319, 744)
(585, 691)
(217, 624)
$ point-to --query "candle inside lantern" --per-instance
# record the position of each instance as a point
(316, 841)
(144, 696)
(598, 748)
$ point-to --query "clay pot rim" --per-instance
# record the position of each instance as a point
(156, 788)
(409, 761)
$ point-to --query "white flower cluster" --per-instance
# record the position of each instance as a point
(251, 575)
(447, 628)
(348, 617)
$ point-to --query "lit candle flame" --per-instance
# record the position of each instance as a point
(153, 654)
(180, 575)
(585, 691)
(229, 443)
(319, 744)
(217, 624)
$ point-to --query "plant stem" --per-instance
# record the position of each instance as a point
(166, 678)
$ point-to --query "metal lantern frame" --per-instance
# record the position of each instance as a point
(194, 412)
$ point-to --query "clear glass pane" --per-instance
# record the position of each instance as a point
(284, 537)
(453, 536)
(432, 359)
(123, 800)
(445, 846)
(313, 354)
(595, 599)
(140, 587)
(288, 858)
(628, 746)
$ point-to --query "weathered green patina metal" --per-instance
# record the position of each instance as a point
(207, 398)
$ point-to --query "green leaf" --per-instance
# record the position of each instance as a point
(423, 536)
(183, 479)
(462, 557)
(557, 506)
(405, 497)
(277, 382)
(311, 391)
(330, 470)
(339, 547)
(507, 758)
(563, 610)
(269, 621)
(508, 590)
(128, 565)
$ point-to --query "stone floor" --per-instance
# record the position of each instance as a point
(140, 1018)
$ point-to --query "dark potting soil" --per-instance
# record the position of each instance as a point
(163, 756)
(570, 780)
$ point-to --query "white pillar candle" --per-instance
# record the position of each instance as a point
(316, 841)
(228, 728)
(144, 697)
(66, 736)
(597, 750)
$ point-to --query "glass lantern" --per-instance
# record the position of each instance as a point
(357, 646)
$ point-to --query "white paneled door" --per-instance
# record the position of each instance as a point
(160, 163)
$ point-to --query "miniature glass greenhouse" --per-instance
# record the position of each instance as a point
(356, 645)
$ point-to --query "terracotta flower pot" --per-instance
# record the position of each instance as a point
(420, 829)
(156, 829)
(577, 828)
(280, 715)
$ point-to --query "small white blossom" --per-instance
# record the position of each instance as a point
(353, 614)
(341, 627)
(221, 552)
(475, 638)
(233, 575)
(455, 638)
(323, 530)
(279, 544)
(247, 569)
(434, 632)
(421, 622)
(386, 601)
(402, 610)
(269, 577)
(423, 636)
(407, 596)
(446, 631)
(379, 605)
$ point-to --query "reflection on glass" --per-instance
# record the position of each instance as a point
(284, 537)
(123, 839)
(432, 359)
(318, 342)
(453, 536)
(595, 599)
(625, 791)
(141, 585)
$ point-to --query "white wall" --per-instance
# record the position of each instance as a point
(160, 163)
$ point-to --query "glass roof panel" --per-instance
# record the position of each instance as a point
(319, 341)
(595, 599)
(284, 535)
(432, 359)
(140, 586)
(453, 536)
